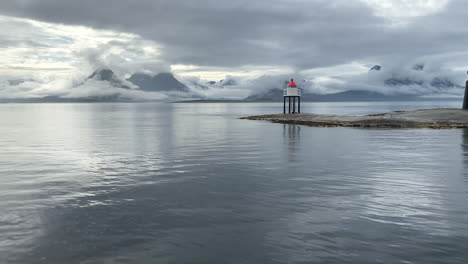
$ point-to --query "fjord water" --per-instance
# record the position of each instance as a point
(192, 183)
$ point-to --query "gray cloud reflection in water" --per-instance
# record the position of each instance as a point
(106, 183)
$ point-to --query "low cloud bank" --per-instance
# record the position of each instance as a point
(420, 79)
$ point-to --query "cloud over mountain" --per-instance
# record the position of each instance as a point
(330, 43)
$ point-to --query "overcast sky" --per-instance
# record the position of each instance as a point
(319, 39)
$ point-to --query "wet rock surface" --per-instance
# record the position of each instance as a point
(426, 118)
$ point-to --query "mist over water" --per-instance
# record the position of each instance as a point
(192, 183)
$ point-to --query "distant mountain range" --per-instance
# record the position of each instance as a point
(162, 82)
(347, 96)
(438, 82)
(276, 94)
(166, 83)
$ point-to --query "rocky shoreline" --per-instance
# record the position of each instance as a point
(426, 118)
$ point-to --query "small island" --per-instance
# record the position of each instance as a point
(426, 118)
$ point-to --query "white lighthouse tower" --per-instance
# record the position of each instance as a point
(291, 93)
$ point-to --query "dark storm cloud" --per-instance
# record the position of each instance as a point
(302, 34)
(297, 33)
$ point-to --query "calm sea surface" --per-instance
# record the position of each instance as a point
(192, 183)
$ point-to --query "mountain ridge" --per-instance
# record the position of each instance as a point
(161, 82)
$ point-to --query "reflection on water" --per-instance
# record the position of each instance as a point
(191, 183)
(292, 137)
(464, 146)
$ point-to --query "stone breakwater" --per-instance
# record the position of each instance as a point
(426, 118)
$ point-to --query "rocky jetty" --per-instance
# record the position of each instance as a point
(427, 118)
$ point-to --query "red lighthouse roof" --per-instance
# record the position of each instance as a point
(292, 84)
